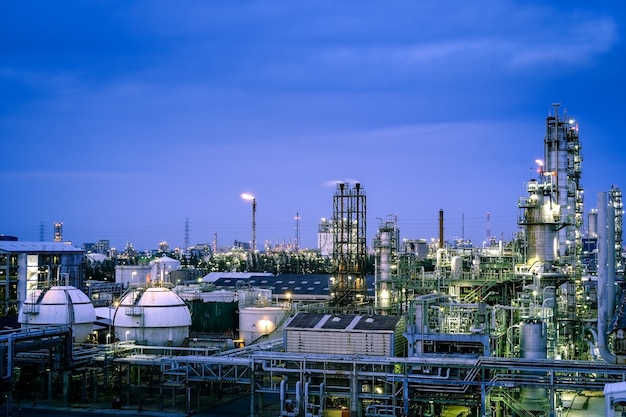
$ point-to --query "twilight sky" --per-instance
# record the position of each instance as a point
(122, 119)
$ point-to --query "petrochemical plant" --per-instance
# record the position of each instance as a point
(530, 327)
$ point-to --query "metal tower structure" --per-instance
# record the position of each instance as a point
(297, 242)
(58, 232)
(347, 286)
(186, 235)
(615, 200)
(552, 216)
(563, 163)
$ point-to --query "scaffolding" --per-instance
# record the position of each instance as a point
(347, 286)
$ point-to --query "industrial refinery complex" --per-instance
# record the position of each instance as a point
(529, 327)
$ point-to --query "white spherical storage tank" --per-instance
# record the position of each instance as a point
(153, 316)
(59, 306)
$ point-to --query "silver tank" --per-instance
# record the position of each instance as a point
(533, 345)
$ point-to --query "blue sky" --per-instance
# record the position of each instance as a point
(122, 119)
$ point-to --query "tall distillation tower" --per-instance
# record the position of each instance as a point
(552, 222)
(347, 285)
(386, 245)
(563, 163)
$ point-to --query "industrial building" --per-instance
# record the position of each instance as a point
(25, 266)
(529, 327)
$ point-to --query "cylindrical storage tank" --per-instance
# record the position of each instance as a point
(440, 255)
(592, 223)
(476, 264)
(152, 316)
(456, 265)
(160, 269)
(533, 345)
(257, 322)
(533, 339)
(59, 306)
(541, 221)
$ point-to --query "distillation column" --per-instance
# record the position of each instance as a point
(386, 247)
(541, 220)
(563, 162)
(552, 218)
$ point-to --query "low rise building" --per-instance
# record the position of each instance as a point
(25, 266)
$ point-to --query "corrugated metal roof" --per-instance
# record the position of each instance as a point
(24, 247)
(298, 285)
(343, 322)
(211, 277)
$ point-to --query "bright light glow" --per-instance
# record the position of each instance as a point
(265, 325)
(539, 162)
(247, 196)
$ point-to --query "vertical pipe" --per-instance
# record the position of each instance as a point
(305, 400)
(298, 396)
(282, 396)
(441, 229)
(160, 395)
(128, 372)
(252, 389)
(253, 225)
(602, 279)
(354, 392)
(405, 393)
(610, 261)
(93, 381)
(66, 392)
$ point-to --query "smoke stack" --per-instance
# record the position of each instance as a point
(440, 229)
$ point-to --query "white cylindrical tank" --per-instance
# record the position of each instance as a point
(256, 322)
(160, 269)
(152, 316)
(59, 306)
(456, 265)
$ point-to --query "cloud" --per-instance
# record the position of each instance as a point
(69, 175)
(579, 44)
